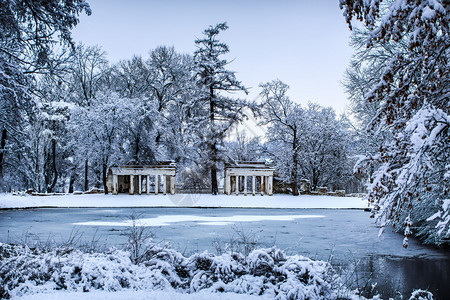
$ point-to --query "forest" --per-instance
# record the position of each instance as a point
(67, 114)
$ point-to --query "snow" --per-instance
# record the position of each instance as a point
(428, 13)
(165, 220)
(139, 295)
(182, 200)
(28, 273)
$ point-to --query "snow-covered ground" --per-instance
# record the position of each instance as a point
(139, 295)
(182, 200)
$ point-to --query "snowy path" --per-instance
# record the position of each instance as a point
(182, 200)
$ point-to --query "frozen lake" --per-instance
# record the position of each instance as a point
(348, 236)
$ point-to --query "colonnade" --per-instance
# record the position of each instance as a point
(164, 173)
(234, 174)
(240, 182)
(170, 187)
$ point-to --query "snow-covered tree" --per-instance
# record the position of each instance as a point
(170, 87)
(410, 187)
(244, 148)
(284, 131)
(305, 143)
(97, 130)
(88, 69)
(163, 81)
(215, 114)
(29, 30)
(54, 112)
(324, 147)
(131, 77)
(366, 67)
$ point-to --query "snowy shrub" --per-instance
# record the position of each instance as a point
(421, 295)
(27, 271)
(266, 272)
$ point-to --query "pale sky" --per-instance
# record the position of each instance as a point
(301, 42)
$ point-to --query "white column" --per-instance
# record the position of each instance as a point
(172, 185)
(227, 185)
(131, 184)
(237, 185)
(156, 184)
(253, 185)
(140, 185)
(270, 185)
(148, 185)
(245, 185)
(115, 184)
(262, 185)
(164, 179)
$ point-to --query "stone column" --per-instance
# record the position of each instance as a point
(164, 179)
(253, 185)
(237, 185)
(140, 184)
(115, 184)
(270, 185)
(262, 185)
(156, 184)
(148, 185)
(172, 185)
(245, 185)
(227, 185)
(131, 184)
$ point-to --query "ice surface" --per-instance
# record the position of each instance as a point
(166, 220)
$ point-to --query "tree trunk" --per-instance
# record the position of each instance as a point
(55, 170)
(136, 151)
(2, 154)
(71, 181)
(105, 175)
(86, 175)
(315, 179)
(214, 186)
(294, 166)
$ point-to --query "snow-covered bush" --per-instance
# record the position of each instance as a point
(266, 272)
(421, 295)
(28, 271)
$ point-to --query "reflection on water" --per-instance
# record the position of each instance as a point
(393, 277)
(349, 236)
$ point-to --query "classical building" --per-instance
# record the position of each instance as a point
(139, 179)
(237, 176)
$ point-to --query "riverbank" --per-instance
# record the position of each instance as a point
(9, 201)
